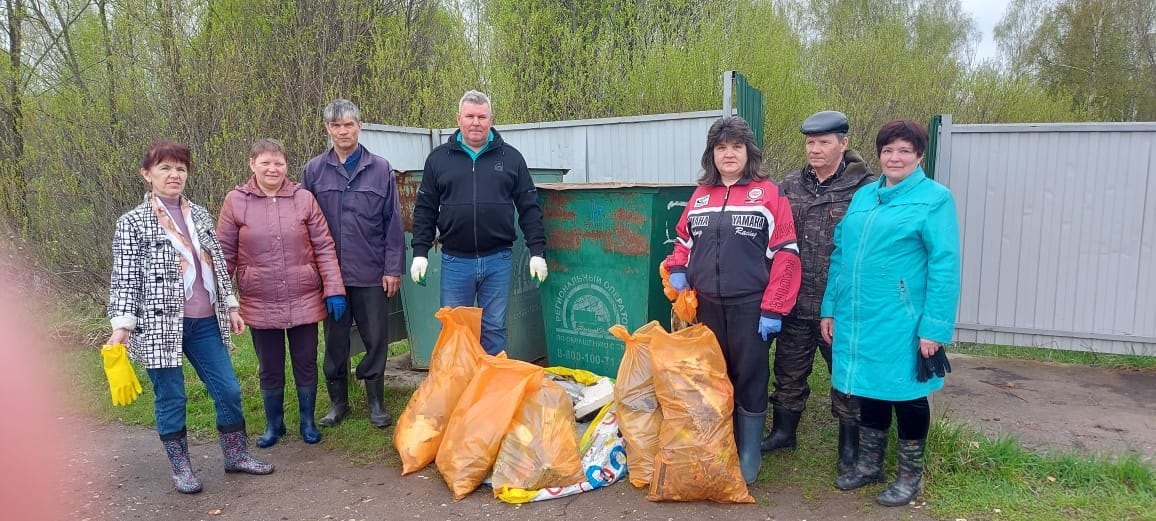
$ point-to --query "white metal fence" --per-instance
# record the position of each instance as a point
(1058, 223)
(663, 148)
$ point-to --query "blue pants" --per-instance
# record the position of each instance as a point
(204, 349)
(483, 282)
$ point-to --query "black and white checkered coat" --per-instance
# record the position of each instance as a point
(147, 295)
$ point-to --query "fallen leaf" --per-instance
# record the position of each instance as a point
(215, 512)
(1053, 480)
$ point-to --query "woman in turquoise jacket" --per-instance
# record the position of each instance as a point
(890, 305)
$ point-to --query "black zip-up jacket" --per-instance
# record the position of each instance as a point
(471, 203)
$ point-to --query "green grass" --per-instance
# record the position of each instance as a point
(970, 476)
(1088, 358)
(362, 443)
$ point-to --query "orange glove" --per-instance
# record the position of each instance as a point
(667, 289)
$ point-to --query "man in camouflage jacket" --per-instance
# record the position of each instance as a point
(819, 193)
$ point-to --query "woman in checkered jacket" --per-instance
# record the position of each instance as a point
(171, 298)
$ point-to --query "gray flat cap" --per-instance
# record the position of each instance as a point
(826, 122)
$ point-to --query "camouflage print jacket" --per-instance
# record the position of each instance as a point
(816, 211)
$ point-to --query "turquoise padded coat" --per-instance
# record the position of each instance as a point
(894, 279)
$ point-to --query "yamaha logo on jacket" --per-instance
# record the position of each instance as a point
(738, 243)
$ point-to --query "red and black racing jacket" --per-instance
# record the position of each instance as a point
(723, 235)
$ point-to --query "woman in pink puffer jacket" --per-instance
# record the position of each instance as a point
(277, 245)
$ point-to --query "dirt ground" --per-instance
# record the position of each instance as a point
(120, 473)
(1054, 406)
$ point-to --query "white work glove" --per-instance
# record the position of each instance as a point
(538, 269)
(417, 270)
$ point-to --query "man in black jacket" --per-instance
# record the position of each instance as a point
(471, 185)
(819, 192)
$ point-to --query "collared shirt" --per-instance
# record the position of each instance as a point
(351, 162)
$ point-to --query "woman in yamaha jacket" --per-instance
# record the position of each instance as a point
(736, 248)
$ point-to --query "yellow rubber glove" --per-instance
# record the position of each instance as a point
(122, 381)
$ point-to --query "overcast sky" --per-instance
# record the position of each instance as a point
(986, 13)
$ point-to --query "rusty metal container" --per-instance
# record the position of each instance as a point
(525, 334)
(603, 245)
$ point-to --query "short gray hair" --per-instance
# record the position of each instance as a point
(475, 97)
(340, 109)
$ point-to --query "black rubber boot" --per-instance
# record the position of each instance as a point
(782, 436)
(848, 444)
(274, 417)
(338, 403)
(748, 431)
(375, 395)
(910, 479)
(307, 403)
(869, 465)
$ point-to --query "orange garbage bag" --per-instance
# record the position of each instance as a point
(697, 457)
(540, 449)
(685, 301)
(639, 417)
(480, 420)
(452, 364)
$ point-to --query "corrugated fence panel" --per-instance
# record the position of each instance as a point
(1146, 286)
(404, 147)
(663, 148)
(1057, 224)
(654, 152)
(1058, 221)
(547, 147)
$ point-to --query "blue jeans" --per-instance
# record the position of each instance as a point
(483, 282)
(203, 347)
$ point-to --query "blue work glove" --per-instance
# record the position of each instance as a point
(769, 327)
(678, 281)
(336, 306)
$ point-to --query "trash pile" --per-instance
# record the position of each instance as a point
(512, 424)
(676, 415)
(535, 433)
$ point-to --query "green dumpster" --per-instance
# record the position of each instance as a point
(524, 331)
(603, 245)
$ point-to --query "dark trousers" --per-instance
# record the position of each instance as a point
(913, 416)
(270, 347)
(747, 355)
(794, 359)
(369, 307)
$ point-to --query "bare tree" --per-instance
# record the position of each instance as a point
(12, 153)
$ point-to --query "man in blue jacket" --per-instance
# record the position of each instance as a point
(358, 195)
(471, 185)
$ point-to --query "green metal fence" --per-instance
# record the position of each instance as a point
(743, 99)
